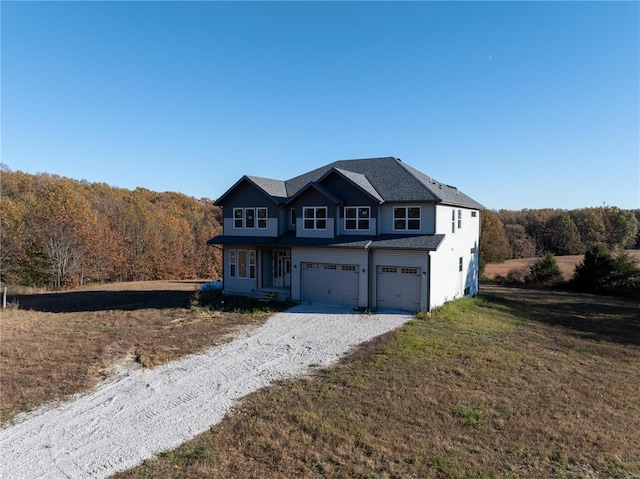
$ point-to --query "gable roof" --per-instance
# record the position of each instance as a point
(392, 180)
(321, 189)
(274, 189)
(386, 179)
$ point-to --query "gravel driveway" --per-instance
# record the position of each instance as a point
(144, 412)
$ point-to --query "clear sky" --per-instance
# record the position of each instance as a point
(518, 104)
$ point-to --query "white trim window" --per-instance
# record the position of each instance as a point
(453, 221)
(262, 218)
(232, 263)
(238, 218)
(249, 218)
(238, 266)
(357, 217)
(459, 219)
(315, 218)
(406, 218)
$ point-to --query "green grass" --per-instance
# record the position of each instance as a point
(479, 389)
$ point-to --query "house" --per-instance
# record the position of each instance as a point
(368, 233)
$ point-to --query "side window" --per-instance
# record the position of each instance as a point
(262, 218)
(460, 264)
(453, 221)
(459, 219)
(232, 263)
(238, 218)
(252, 264)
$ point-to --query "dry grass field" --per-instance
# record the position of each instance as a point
(567, 265)
(54, 345)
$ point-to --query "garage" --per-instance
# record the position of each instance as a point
(399, 288)
(325, 283)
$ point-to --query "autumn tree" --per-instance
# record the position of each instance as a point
(621, 227)
(561, 235)
(64, 224)
(520, 242)
(494, 246)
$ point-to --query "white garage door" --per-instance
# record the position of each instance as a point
(399, 288)
(335, 284)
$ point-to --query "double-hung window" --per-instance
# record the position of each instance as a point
(459, 219)
(315, 218)
(356, 217)
(249, 218)
(238, 218)
(406, 218)
(262, 218)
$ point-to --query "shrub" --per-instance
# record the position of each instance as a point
(545, 271)
(602, 272)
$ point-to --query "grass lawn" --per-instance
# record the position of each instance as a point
(513, 383)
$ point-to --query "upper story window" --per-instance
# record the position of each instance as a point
(262, 218)
(293, 216)
(315, 218)
(453, 221)
(238, 218)
(459, 219)
(406, 218)
(356, 217)
(246, 218)
(249, 218)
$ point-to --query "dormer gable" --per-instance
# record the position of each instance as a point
(357, 180)
(273, 190)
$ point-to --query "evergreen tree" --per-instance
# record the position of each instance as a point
(545, 271)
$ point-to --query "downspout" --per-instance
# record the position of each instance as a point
(429, 281)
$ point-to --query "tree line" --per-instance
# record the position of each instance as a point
(507, 234)
(57, 232)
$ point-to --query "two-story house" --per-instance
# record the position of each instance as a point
(369, 233)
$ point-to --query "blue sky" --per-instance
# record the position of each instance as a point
(518, 104)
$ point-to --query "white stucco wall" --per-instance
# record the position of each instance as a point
(447, 281)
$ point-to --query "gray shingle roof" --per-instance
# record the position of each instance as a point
(391, 179)
(386, 179)
(388, 241)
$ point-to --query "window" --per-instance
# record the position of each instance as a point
(406, 218)
(315, 218)
(293, 216)
(252, 264)
(459, 219)
(238, 267)
(453, 221)
(356, 218)
(242, 264)
(232, 263)
(474, 214)
(262, 218)
(238, 218)
(249, 218)
(460, 264)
